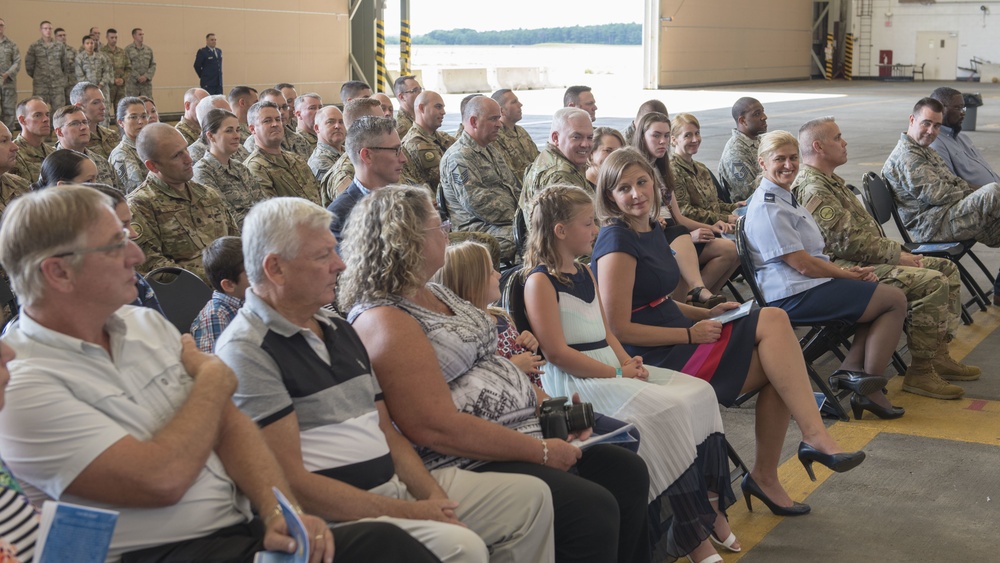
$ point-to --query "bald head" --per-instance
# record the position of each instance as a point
(152, 138)
(429, 110)
(329, 126)
(385, 102)
(206, 105)
(822, 145)
(191, 99)
(481, 119)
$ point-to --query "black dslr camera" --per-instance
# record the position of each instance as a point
(559, 419)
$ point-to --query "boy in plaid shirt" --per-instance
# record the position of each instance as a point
(223, 260)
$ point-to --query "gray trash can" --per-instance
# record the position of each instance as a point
(972, 104)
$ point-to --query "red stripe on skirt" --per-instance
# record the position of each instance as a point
(705, 360)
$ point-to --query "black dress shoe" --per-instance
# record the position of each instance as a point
(858, 381)
(837, 462)
(752, 489)
(861, 404)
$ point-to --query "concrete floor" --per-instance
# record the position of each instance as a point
(929, 489)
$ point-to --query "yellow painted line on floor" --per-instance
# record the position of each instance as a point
(964, 420)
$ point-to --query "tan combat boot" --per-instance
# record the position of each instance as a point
(921, 379)
(950, 369)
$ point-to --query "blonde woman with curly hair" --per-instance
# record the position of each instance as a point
(447, 390)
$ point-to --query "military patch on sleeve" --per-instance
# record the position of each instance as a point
(768, 198)
(826, 213)
(138, 230)
(429, 156)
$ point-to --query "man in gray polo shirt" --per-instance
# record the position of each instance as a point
(305, 377)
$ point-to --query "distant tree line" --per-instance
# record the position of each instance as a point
(606, 34)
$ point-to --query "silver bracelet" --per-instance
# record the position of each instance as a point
(545, 452)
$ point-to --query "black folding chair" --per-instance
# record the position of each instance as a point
(882, 205)
(8, 302)
(818, 340)
(182, 297)
(520, 232)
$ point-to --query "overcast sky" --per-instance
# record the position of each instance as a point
(485, 15)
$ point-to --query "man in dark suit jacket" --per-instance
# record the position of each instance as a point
(208, 65)
(374, 148)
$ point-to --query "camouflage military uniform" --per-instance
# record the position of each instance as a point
(70, 74)
(130, 169)
(283, 175)
(288, 143)
(173, 228)
(936, 205)
(47, 65)
(403, 122)
(322, 159)
(143, 64)
(245, 134)
(738, 168)
(551, 167)
(695, 192)
(11, 186)
(297, 143)
(628, 132)
(120, 67)
(95, 68)
(190, 131)
(309, 137)
(337, 179)
(104, 140)
(423, 154)
(518, 149)
(481, 191)
(198, 149)
(238, 187)
(853, 238)
(105, 174)
(10, 63)
(29, 159)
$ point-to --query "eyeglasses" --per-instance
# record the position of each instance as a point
(78, 123)
(416, 90)
(106, 248)
(445, 227)
(133, 117)
(396, 149)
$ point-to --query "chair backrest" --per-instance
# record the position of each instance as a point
(512, 297)
(746, 262)
(882, 202)
(181, 298)
(721, 189)
(520, 232)
(7, 301)
(442, 203)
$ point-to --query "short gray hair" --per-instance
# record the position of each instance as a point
(208, 104)
(562, 117)
(809, 132)
(302, 98)
(364, 131)
(41, 224)
(254, 112)
(272, 227)
(79, 92)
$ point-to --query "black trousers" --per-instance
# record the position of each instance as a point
(600, 505)
(353, 543)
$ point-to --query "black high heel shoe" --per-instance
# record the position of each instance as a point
(837, 462)
(751, 488)
(861, 404)
(858, 381)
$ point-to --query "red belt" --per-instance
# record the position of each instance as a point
(651, 304)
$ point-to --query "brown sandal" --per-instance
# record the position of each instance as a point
(694, 299)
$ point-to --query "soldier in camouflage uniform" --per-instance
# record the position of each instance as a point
(336, 180)
(934, 204)
(330, 134)
(33, 115)
(188, 126)
(131, 170)
(73, 131)
(240, 99)
(694, 189)
(47, 63)
(514, 142)
(306, 107)
(425, 143)
(480, 189)
(291, 141)
(174, 217)
(120, 67)
(564, 159)
(279, 172)
(139, 81)
(11, 186)
(70, 79)
(10, 63)
(853, 238)
(219, 169)
(88, 97)
(92, 66)
(198, 148)
(406, 88)
(738, 168)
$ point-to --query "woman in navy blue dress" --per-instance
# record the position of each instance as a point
(636, 273)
